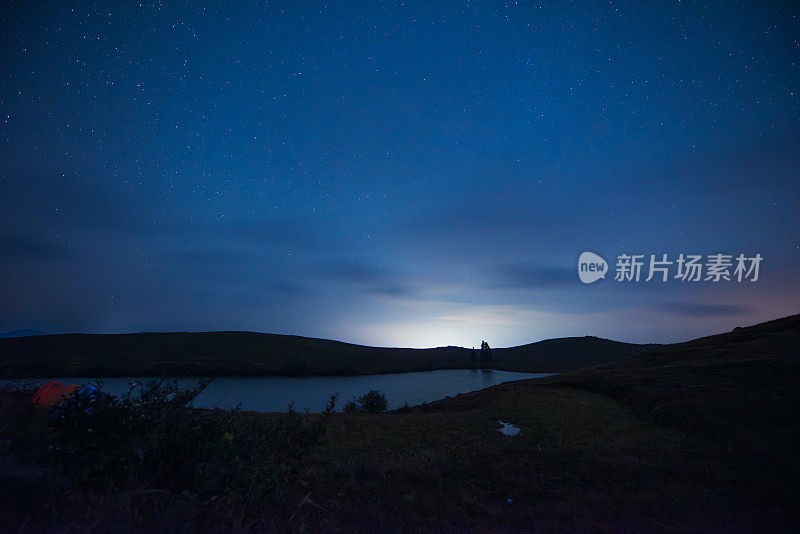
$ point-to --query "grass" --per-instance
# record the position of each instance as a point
(449, 466)
(582, 461)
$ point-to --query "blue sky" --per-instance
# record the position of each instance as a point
(395, 173)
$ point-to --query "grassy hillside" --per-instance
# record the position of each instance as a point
(717, 384)
(249, 353)
(565, 354)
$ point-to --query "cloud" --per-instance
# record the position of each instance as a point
(520, 275)
(43, 200)
(30, 247)
(288, 231)
(696, 309)
(214, 257)
(289, 289)
(492, 315)
(368, 278)
(351, 270)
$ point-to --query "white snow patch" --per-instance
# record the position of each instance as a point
(508, 429)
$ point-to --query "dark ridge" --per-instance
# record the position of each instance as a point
(256, 354)
(22, 333)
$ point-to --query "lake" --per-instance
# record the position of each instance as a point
(273, 394)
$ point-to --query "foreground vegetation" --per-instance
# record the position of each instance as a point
(699, 438)
(152, 445)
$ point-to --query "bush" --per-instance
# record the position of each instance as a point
(405, 408)
(15, 408)
(153, 438)
(372, 401)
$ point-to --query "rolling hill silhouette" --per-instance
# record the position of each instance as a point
(22, 333)
(253, 354)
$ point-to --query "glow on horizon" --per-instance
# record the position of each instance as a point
(440, 324)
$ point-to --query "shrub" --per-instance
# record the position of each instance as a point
(87, 437)
(152, 437)
(405, 408)
(372, 401)
(15, 408)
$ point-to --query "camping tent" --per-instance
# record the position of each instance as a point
(52, 393)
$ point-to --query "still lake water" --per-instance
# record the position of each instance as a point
(273, 394)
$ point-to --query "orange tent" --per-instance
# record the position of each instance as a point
(53, 393)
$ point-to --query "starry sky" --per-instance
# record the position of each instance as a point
(395, 173)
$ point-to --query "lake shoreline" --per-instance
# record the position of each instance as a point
(221, 374)
(275, 394)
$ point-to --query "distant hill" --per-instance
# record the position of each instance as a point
(22, 333)
(712, 384)
(565, 354)
(253, 354)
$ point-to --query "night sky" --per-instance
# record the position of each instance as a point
(397, 173)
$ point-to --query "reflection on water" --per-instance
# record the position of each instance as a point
(274, 394)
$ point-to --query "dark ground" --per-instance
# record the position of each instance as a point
(697, 437)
